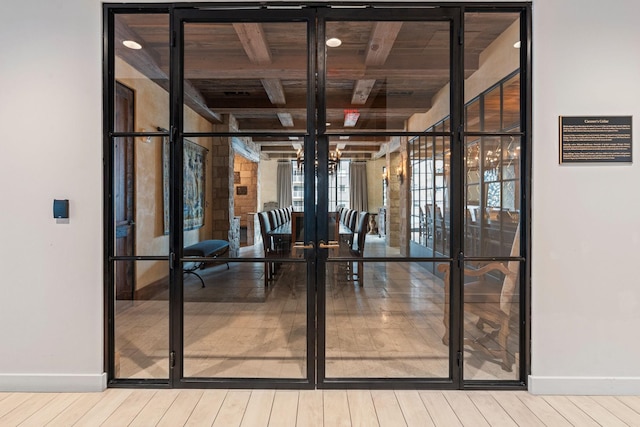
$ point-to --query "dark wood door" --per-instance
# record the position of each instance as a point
(124, 193)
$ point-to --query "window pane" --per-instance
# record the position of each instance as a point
(398, 66)
(492, 108)
(141, 198)
(490, 56)
(236, 327)
(249, 76)
(144, 67)
(142, 321)
(492, 196)
(491, 313)
(473, 123)
(511, 104)
(391, 327)
(430, 196)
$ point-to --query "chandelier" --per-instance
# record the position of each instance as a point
(492, 157)
(333, 161)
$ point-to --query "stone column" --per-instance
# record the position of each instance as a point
(394, 200)
(403, 199)
(222, 190)
(245, 203)
(397, 232)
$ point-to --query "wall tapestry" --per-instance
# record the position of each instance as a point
(193, 179)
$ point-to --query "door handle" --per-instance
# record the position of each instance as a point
(333, 244)
(300, 246)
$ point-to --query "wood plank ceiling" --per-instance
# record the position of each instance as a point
(384, 72)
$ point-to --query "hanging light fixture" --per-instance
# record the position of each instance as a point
(334, 160)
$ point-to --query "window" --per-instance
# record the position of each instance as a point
(385, 183)
(339, 186)
(492, 175)
(297, 190)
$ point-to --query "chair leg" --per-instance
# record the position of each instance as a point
(195, 274)
(503, 336)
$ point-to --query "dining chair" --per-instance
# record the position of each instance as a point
(356, 248)
(268, 247)
(488, 295)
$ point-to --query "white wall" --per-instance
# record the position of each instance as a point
(50, 274)
(586, 301)
(586, 298)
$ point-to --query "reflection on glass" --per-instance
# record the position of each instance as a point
(237, 327)
(142, 321)
(389, 328)
(491, 312)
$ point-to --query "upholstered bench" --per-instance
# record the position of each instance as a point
(204, 249)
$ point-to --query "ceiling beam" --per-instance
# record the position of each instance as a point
(255, 45)
(382, 38)
(279, 70)
(147, 61)
(361, 91)
(285, 119)
(297, 104)
(274, 90)
(254, 42)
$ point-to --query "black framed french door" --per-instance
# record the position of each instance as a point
(266, 337)
(380, 305)
(263, 139)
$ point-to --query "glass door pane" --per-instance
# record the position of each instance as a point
(246, 76)
(244, 288)
(384, 297)
(139, 312)
(493, 171)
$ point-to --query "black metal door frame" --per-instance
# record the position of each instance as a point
(404, 13)
(222, 15)
(315, 137)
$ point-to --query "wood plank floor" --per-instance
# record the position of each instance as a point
(331, 408)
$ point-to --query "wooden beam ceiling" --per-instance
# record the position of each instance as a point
(257, 72)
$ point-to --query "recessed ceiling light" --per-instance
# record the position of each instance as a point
(327, 124)
(334, 42)
(132, 45)
(517, 44)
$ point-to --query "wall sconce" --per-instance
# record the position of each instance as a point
(385, 176)
(400, 173)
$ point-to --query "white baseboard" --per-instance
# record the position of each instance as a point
(595, 386)
(62, 383)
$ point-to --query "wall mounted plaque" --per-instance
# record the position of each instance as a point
(601, 139)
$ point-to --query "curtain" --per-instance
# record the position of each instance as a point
(358, 186)
(284, 184)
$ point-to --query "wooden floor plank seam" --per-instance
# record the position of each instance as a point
(453, 408)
